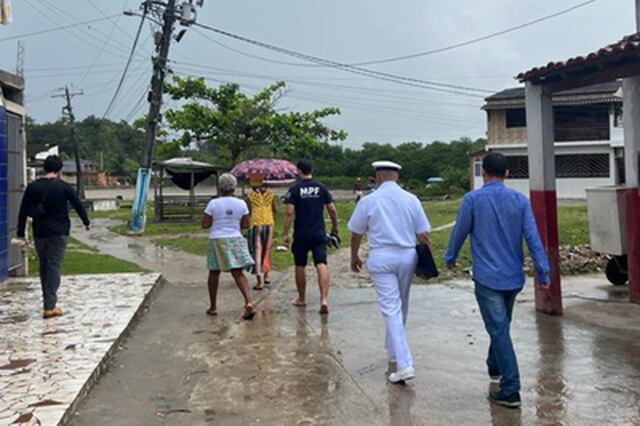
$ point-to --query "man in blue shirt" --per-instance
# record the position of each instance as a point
(498, 219)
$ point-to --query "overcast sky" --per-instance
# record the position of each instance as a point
(345, 31)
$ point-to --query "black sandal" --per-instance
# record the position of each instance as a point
(249, 313)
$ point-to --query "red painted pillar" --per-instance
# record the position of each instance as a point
(631, 109)
(542, 181)
(633, 243)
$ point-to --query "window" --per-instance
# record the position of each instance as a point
(581, 123)
(516, 117)
(567, 166)
(477, 167)
(582, 166)
(617, 118)
(518, 167)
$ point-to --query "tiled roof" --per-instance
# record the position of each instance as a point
(629, 46)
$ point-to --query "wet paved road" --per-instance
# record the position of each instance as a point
(291, 367)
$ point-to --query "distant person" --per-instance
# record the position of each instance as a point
(45, 201)
(357, 189)
(498, 220)
(371, 184)
(262, 208)
(227, 250)
(306, 201)
(392, 219)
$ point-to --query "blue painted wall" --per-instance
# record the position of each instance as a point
(4, 240)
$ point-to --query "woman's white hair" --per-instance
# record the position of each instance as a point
(227, 182)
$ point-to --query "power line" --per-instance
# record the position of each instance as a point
(478, 39)
(72, 34)
(364, 105)
(249, 55)
(117, 20)
(67, 16)
(408, 81)
(59, 28)
(115, 25)
(336, 87)
(72, 67)
(126, 68)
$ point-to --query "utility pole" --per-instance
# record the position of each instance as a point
(170, 13)
(67, 112)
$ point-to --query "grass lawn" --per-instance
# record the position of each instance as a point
(572, 221)
(82, 259)
(573, 225)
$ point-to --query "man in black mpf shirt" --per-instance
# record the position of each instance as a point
(306, 201)
(45, 200)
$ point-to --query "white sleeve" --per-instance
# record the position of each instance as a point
(358, 222)
(245, 208)
(422, 222)
(209, 209)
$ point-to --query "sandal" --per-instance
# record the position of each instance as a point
(249, 312)
(257, 287)
(212, 312)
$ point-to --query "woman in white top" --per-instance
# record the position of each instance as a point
(228, 250)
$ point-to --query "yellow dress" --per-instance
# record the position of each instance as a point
(260, 204)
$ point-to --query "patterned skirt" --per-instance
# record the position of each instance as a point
(225, 254)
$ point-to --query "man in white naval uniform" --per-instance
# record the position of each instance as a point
(391, 218)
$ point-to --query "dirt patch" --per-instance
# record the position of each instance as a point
(575, 260)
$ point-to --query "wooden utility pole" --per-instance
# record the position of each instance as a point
(67, 111)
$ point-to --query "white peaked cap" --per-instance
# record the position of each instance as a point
(390, 165)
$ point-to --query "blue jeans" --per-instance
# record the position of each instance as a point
(496, 308)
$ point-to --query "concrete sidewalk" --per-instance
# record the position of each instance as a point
(289, 366)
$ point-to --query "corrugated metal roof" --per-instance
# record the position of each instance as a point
(629, 46)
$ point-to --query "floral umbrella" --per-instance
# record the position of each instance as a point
(271, 169)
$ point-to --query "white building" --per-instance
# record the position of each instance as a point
(589, 141)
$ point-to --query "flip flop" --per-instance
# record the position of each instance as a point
(249, 313)
(255, 287)
(212, 312)
(324, 309)
(296, 303)
(267, 282)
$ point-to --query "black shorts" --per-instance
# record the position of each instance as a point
(302, 245)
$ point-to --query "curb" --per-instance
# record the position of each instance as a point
(103, 365)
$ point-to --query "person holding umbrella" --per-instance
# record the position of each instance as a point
(227, 250)
(262, 208)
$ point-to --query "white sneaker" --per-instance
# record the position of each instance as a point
(402, 375)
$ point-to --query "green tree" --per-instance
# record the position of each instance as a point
(235, 125)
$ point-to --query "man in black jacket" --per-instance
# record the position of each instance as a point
(45, 200)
